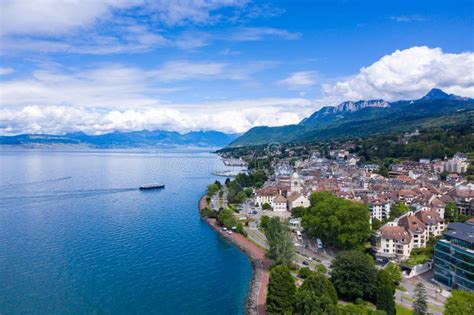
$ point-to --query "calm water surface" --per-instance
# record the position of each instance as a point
(77, 237)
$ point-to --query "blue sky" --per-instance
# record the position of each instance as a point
(229, 65)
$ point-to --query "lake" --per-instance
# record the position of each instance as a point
(77, 236)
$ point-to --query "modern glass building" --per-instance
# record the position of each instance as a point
(454, 257)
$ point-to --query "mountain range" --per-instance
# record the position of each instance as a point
(365, 118)
(135, 139)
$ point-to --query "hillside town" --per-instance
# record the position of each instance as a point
(421, 215)
(414, 184)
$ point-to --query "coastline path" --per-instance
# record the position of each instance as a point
(258, 289)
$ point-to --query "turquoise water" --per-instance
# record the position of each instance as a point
(77, 237)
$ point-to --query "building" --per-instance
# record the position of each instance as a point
(416, 228)
(266, 195)
(297, 199)
(433, 221)
(393, 242)
(296, 184)
(279, 203)
(454, 257)
(379, 209)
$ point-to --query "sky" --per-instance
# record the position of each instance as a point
(228, 65)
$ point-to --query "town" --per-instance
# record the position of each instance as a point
(421, 215)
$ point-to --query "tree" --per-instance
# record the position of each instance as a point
(353, 275)
(280, 241)
(248, 192)
(397, 210)
(281, 291)
(383, 171)
(226, 218)
(337, 221)
(297, 212)
(460, 303)
(264, 221)
(306, 302)
(395, 273)
(451, 212)
(376, 224)
(420, 304)
(227, 182)
(218, 183)
(212, 189)
(384, 294)
(266, 206)
(304, 272)
(320, 285)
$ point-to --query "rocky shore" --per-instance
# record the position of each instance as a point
(258, 287)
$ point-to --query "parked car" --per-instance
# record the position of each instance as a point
(305, 263)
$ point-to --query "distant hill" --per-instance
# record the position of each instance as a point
(135, 139)
(364, 118)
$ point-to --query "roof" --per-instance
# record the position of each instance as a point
(429, 217)
(279, 199)
(294, 196)
(412, 224)
(396, 233)
(461, 231)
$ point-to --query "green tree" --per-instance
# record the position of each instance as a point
(383, 171)
(337, 221)
(280, 241)
(376, 224)
(460, 303)
(306, 302)
(226, 218)
(320, 285)
(420, 304)
(212, 189)
(451, 212)
(248, 192)
(264, 221)
(304, 272)
(297, 212)
(218, 183)
(353, 275)
(281, 291)
(397, 210)
(266, 206)
(384, 293)
(395, 273)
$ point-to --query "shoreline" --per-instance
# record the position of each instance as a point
(257, 293)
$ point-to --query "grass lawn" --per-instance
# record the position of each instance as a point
(401, 310)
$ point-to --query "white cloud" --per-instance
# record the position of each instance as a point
(230, 116)
(55, 16)
(408, 74)
(6, 70)
(300, 79)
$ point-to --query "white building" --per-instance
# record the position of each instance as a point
(297, 199)
(279, 203)
(393, 242)
(379, 209)
(266, 195)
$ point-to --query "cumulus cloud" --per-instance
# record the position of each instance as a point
(231, 116)
(300, 79)
(408, 74)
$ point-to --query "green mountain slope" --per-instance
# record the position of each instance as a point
(365, 120)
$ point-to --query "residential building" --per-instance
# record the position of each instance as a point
(279, 203)
(416, 228)
(454, 257)
(393, 242)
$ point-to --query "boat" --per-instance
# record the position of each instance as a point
(151, 186)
